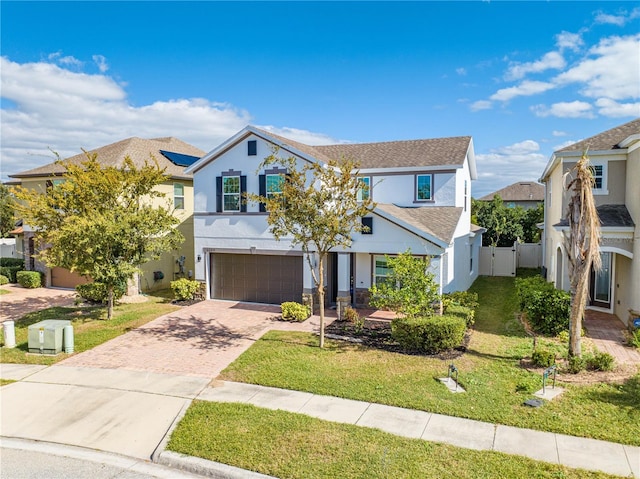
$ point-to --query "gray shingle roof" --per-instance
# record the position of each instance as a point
(607, 140)
(138, 149)
(521, 191)
(437, 221)
(610, 216)
(430, 152)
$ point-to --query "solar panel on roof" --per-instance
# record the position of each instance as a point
(179, 159)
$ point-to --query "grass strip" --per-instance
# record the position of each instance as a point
(289, 445)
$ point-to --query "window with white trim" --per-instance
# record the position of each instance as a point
(424, 187)
(178, 196)
(364, 192)
(599, 172)
(231, 193)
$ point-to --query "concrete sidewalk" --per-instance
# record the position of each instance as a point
(550, 447)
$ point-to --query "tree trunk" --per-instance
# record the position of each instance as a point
(321, 297)
(110, 303)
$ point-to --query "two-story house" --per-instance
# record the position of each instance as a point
(171, 154)
(423, 193)
(615, 159)
(525, 194)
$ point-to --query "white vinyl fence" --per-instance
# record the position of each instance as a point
(503, 260)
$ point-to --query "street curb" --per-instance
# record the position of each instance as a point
(155, 455)
(206, 468)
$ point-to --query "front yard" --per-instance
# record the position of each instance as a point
(490, 372)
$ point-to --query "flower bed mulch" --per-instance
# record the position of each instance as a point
(377, 334)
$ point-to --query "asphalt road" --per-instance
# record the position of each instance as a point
(33, 460)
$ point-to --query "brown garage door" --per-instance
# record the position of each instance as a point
(63, 278)
(256, 278)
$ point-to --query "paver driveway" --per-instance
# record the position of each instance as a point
(198, 340)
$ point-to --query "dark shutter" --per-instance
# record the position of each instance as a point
(262, 191)
(367, 225)
(243, 192)
(219, 194)
(252, 148)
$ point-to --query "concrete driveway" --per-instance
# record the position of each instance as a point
(20, 301)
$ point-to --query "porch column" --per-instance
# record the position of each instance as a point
(343, 298)
(309, 292)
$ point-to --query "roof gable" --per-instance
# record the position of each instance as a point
(607, 140)
(521, 191)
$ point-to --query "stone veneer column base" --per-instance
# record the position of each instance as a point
(342, 302)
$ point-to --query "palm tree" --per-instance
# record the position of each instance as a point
(582, 245)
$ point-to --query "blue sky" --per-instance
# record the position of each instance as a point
(522, 78)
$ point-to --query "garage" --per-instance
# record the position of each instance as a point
(63, 278)
(254, 278)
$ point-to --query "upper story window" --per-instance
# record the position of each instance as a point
(230, 188)
(178, 196)
(424, 187)
(599, 172)
(274, 185)
(364, 192)
(231, 193)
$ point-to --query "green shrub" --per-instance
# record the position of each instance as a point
(633, 338)
(29, 279)
(547, 308)
(12, 262)
(600, 362)
(461, 298)
(10, 272)
(543, 358)
(3, 279)
(97, 292)
(463, 312)
(293, 311)
(184, 289)
(433, 334)
(575, 364)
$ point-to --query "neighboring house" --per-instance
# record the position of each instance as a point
(615, 159)
(422, 188)
(170, 153)
(526, 194)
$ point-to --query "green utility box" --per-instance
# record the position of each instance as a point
(46, 336)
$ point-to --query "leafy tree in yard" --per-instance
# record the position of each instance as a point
(101, 222)
(582, 245)
(409, 290)
(7, 208)
(319, 208)
(505, 225)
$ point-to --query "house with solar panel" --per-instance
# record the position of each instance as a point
(171, 154)
(422, 189)
(615, 161)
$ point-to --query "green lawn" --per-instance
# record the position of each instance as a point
(89, 330)
(288, 445)
(496, 385)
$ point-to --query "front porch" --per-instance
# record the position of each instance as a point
(607, 333)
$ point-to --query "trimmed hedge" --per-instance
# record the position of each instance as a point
(10, 272)
(29, 279)
(12, 262)
(547, 308)
(97, 292)
(295, 311)
(3, 280)
(468, 314)
(429, 335)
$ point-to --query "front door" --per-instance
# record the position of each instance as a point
(600, 284)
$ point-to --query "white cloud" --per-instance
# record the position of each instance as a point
(303, 136)
(67, 61)
(611, 108)
(550, 60)
(461, 71)
(620, 19)
(101, 62)
(526, 88)
(559, 133)
(570, 41)
(481, 105)
(54, 108)
(612, 70)
(564, 144)
(505, 165)
(572, 109)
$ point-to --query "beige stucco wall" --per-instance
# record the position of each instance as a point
(554, 213)
(632, 277)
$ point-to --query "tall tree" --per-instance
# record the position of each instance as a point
(7, 208)
(319, 207)
(504, 225)
(101, 222)
(582, 245)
